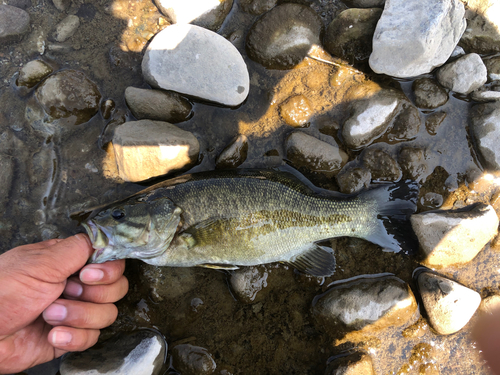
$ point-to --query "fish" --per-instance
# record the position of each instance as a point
(227, 219)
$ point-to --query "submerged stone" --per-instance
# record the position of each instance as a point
(429, 94)
(485, 129)
(66, 28)
(296, 110)
(463, 75)
(247, 282)
(353, 179)
(381, 165)
(234, 154)
(412, 162)
(33, 72)
(192, 360)
(434, 121)
(406, 124)
(14, 23)
(196, 62)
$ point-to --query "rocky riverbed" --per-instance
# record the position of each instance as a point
(101, 98)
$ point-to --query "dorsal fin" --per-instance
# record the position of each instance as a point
(315, 260)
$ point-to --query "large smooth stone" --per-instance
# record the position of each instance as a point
(414, 37)
(485, 128)
(196, 62)
(14, 23)
(463, 75)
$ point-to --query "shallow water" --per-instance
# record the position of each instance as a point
(61, 168)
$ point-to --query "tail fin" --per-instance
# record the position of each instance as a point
(396, 203)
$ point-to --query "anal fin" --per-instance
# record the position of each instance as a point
(228, 267)
(315, 260)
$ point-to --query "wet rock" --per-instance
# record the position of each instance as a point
(234, 154)
(306, 151)
(69, 93)
(61, 5)
(490, 304)
(429, 94)
(257, 7)
(66, 28)
(382, 166)
(463, 75)
(353, 180)
(247, 282)
(433, 121)
(14, 23)
(369, 119)
(296, 110)
(6, 176)
(412, 162)
(493, 68)
(145, 149)
(454, 237)
(351, 364)
(157, 105)
(487, 93)
(282, 37)
(349, 35)
(209, 14)
(107, 108)
(196, 62)
(192, 360)
(483, 27)
(364, 3)
(413, 38)
(485, 128)
(366, 304)
(168, 283)
(406, 124)
(140, 352)
(33, 72)
(449, 305)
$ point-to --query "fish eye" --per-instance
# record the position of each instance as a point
(117, 214)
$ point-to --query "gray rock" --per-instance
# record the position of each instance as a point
(353, 179)
(449, 305)
(209, 14)
(306, 151)
(145, 149)
(454, 237)
(196, 62)
(413, 38)
(66, 28)
(282, 37)
(6, 176)
(257, 7)
(349, 36)
(458, 51)
(406, 124)
(429, 94)
(22, 4)
(140, 353)
(247, 282)
(382, 166)
(433, 121)
(192, 360)
(69, 93)
(296, 110)
(33, 72)
(358, 363)
(493, 68)
(412, 162)
(483, 27)
(157, 105)
(463, 75)
(14, 23)
(364, 3)
(234, 154)
(61, 5)
(487, 93)
(367, 304)
(485, 129)
(369, 118)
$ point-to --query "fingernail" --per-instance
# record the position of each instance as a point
(61, 337)
(73, 289)
(91, 274)
(55, 312)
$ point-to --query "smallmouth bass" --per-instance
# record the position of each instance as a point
(226, 219)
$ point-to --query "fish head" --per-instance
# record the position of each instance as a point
(139, 228)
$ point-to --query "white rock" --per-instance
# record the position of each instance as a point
(463, 75)
(414, 37)
(490, 304)
(485, 128)
(145, 149)
(456, 236)
(66, 28)
(197, 62)
(234, 154)
(449, 305)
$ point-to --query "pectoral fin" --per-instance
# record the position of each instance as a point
(315, 260)
(219, 266)
(205, 231)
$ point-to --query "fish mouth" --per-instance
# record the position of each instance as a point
(101, 240)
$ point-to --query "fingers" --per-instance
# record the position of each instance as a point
(104, 273)
(68, 339)
(487, 334)
(75, 289)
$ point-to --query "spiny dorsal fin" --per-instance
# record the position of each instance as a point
(315, 260)
(219, 266)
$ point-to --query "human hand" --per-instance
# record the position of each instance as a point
(36, 323)
(486, 332)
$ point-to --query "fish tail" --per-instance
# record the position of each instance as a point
(395, 204)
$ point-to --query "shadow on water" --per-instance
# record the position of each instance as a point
(58, 168)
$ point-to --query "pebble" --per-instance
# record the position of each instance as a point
(307, 151)
(406, 124)
(485, 128)
(353, 179)
(381, 165)
(234, 154)
(196, 62)
(433, 121)
(61, 5)
(257, 7)
(140, 352)
(296, 111)
(454, 237)
(349, 35)
(463, 75)
(483, 24)
(282, 37)
(192, 360)
(69, 93)
(493, 68)
(66, 28)
(449, 305)
(14, 23)
(33, 72)
(247, 282)
(413, 38)
(429, 94)
(367, 304)
(145, 149)
(209, 14)
(357, 363)
(158, 105)
(412, 162)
